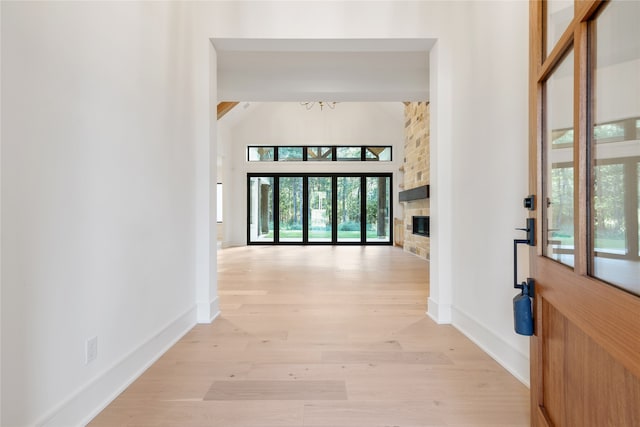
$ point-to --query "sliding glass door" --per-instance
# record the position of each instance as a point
(378, 208)
(320, 219)
(319, 209)
(349, 209)
(290, 209)
(260, 194)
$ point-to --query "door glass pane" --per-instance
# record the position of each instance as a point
(615, 146)
(290, 224)
(261, 209)
(608, 205)
(320, 209)
(558, 164)
(349, 209)
(378, 202)
(559, 15)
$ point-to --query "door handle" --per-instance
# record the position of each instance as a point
(522, 304)
(530, 240)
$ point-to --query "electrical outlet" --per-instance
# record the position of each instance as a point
(91, 352)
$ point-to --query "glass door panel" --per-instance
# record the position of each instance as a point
(378, 203)
(615, 146)
(609, 219)
(291, 210)
(349, 208)
(320, 209)
(261, 209)
(558, 164)
(559, 14)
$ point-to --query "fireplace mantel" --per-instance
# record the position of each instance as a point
(417, 193)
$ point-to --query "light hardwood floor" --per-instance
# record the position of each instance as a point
(327, 337)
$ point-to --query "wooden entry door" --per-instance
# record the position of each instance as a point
(585, 174)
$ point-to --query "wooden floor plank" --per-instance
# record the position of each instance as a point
(302, 324)
(402, 357)
(277, 390)
(372, 414)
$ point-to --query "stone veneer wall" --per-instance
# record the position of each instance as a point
(416, 172)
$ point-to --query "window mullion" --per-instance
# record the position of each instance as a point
(276, 209)
(334, 209)
(363, 209)
(305, 209)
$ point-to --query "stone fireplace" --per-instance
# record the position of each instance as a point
(414, 192)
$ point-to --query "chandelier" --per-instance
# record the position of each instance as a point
(322, 104)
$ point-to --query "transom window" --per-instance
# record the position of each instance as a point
(302, 153)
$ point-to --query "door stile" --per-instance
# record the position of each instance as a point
(580, 144)
(536, 46)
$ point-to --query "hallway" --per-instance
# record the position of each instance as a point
(322, 336)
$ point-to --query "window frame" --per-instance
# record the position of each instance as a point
(334, 220)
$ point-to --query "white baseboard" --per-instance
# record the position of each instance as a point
(214, 308)
(233, 244)
(511, 358)
(440, 313)
(208, 311)
(87, 402)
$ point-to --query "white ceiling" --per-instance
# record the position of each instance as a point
(323, 69)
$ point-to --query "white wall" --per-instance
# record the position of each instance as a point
(489, 142)
(97, 200)
(106, 165)
(289, 123)
(0, 218)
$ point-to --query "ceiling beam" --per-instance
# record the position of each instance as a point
(225, 107)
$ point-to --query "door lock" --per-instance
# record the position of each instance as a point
(529, 202)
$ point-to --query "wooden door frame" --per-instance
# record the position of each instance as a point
(576, 289)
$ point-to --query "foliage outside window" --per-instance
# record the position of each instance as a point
(379, 154)
(561, 218)
(604, 132)
(609, 209)
(609, 132)
(261, 154)
(319, 153)
(286, 154)
(349, 153)
(562, 137)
